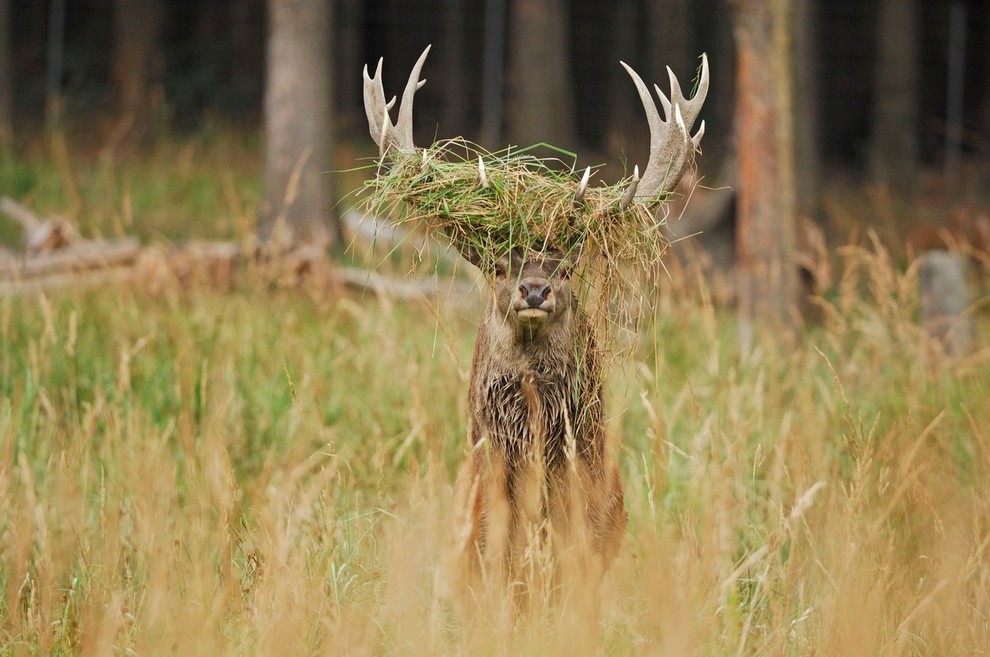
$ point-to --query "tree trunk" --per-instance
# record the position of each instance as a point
(138, 65)
(624, 136)
(806, 119)
(493, 75)
(669, 39)
(765, 231)
(6, 78)
(894, 145)
(247, 33)
(540, 100)
(348, 115)
(297, 195)
(455, 81)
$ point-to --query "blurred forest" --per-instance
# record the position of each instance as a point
(889, 95)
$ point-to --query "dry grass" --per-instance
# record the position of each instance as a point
(270, 473)
(528, 203)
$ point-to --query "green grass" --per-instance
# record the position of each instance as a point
(269, 471)
(204, 186)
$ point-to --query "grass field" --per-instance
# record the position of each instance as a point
(268, 472)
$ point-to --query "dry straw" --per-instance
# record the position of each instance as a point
(493, 203)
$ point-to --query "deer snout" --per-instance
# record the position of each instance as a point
(534, 301)
(534, 291)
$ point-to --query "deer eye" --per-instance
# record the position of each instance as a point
(499, 269)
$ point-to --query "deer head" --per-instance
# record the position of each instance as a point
(531, 294)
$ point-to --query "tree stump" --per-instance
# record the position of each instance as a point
(945, 302)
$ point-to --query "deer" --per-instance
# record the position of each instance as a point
(538, 502)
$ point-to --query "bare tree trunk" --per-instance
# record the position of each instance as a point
(455, 80)
(894, 145)
(540, 99)
(624, 135)
(955, 93)
(806, 119)
(347, 100)
(6, 78)
(247, 32)
(669, 39)
(138, 66)
(765, 231)
(493, 74)
(298, 135)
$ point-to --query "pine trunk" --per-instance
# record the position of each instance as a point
(894, 146)
(138, 67)
(765, 234)
(297, 194)
(6, 78)
(540, 99)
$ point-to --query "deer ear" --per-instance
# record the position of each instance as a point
(468, 252)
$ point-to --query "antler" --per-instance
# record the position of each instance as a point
(672, 148)
(383, 131)
(671, 145)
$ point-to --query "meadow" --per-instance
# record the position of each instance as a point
(268, 470)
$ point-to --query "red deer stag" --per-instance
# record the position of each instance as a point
(539, 501)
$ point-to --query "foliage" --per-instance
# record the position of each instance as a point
(176, 188)
(269, 472)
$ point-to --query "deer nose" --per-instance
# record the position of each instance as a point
(534, 291)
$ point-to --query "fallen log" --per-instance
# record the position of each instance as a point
(89, 254)
(433, 288)
(96, 264)
(55, 258)
(946, 302)
(41, 236)
(60, 281)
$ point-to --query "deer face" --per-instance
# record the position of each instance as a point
(532, 291)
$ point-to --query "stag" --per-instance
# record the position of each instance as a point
(539, 499)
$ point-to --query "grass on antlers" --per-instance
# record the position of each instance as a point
(527, 202)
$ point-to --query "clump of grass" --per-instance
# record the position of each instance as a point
(527, 204)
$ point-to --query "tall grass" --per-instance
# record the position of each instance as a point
(269, 473)
(203, 185)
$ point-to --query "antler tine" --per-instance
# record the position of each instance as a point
(482, 175)
(671, 143)
(385, 138)
(376, 108)
(691, 108)
(664, 101)
(630, 192)
(698, 135)
(582, 186)
(403, 126)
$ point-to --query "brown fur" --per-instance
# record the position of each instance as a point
(539, 501)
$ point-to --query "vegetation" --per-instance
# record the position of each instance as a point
(269, 472)
(202, 185)
(524, 202)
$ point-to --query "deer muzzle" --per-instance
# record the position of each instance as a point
(535, 300)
